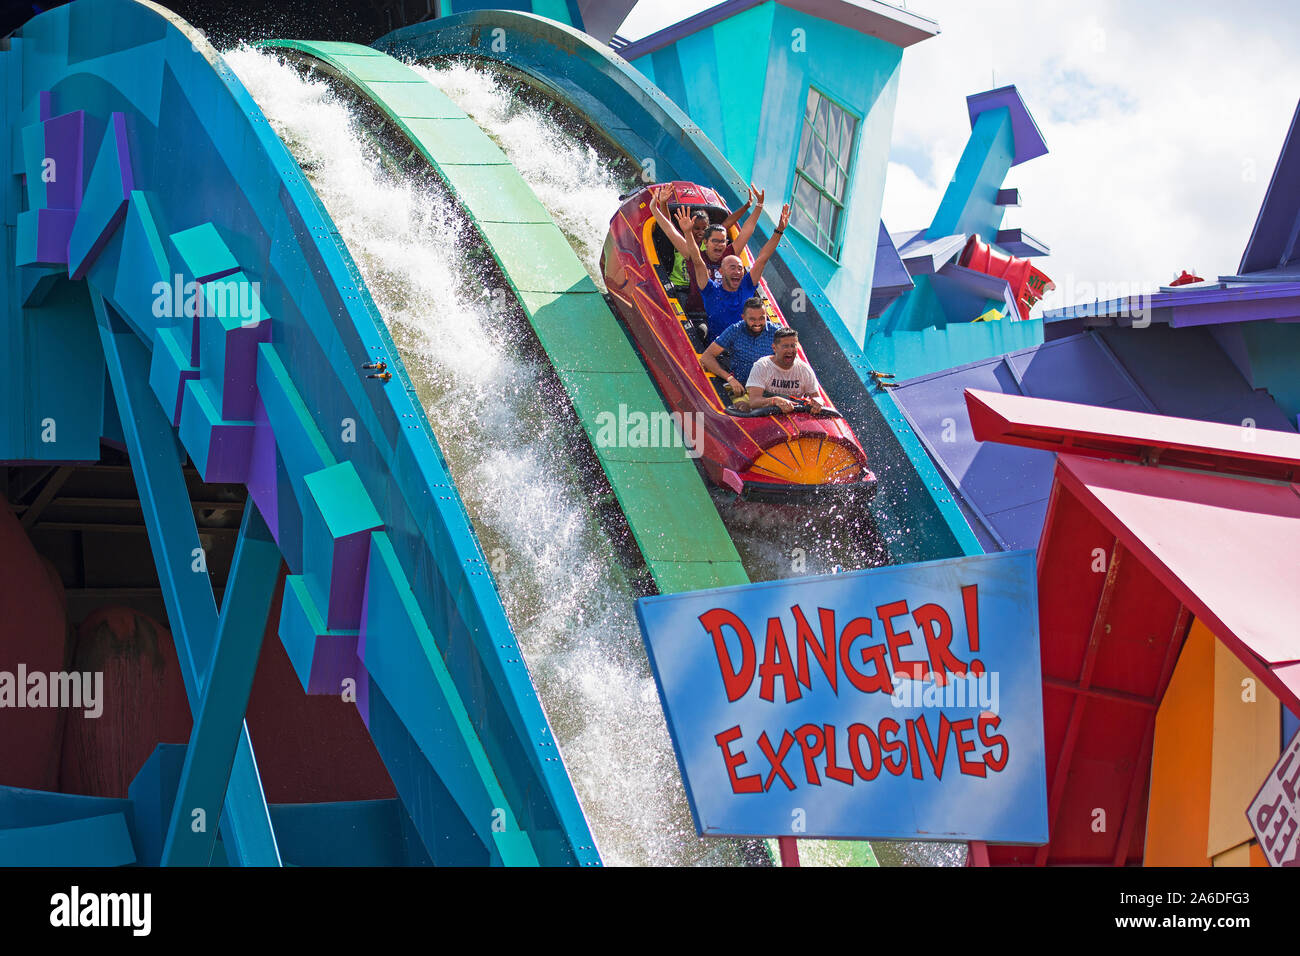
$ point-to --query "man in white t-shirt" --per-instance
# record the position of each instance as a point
(781, 376)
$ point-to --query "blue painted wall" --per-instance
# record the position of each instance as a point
(52, 378)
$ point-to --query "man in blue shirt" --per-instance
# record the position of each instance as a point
(724, 297)
(746, 342)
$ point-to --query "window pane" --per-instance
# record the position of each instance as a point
(800, 220)
(803, 146)
(822, 177)
(817, 162)
(805, 196)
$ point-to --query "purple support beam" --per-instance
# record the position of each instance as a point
(63, 144)
(262, 485)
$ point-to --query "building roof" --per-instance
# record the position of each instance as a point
(1223, 546)
(1271, 296)
(871, 17)
(1273, 242)
(1003, 490)
(1028, 139)
(1129, 553)
(1134, 436)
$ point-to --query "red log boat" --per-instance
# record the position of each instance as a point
(761, 456)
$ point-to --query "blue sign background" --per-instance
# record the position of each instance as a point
(1006, 806)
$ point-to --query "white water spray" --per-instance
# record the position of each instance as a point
(560, 580)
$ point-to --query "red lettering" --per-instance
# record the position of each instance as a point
(833, 770)
(867, 683)
(811, 743)
(898, 640)
(890, 726)
(735, 680)
(972, 768)
(991, 721)
(856, 732)
(824, 651)
(937, 641)
(776, 663)
(747, 784)
(777, 760)
(913, 750)
(938, 754)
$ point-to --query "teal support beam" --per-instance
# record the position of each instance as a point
(187, 591)
(214, 738)
(89, 841)
(970, 204)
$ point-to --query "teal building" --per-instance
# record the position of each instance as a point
(810, 121)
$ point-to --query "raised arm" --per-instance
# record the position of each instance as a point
(769, 247)
(735, 216)
(692, 251)
(747, 230)
(658, 207)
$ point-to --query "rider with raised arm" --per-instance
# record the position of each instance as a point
(725, 296)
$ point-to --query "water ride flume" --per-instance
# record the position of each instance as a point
(762, 455)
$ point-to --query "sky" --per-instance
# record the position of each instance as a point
(1163, 120)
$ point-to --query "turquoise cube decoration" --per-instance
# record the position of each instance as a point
(231, 327)
(204, 252)
(323, 659)
(205, 257)
(221, 450)
(338, 518)
(169, 370)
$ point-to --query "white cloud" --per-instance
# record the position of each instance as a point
(1164, 119)
(1156, 116)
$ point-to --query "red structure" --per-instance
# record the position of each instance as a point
(775, 457)
(1194, 522)
(1186, 278)
(1028, 284)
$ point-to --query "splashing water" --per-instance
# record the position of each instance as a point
(578, 176)
(578, 183)
(563, 586)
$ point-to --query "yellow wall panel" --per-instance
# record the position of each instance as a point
(1247, 741)
(1179, 805)
(1239, 855)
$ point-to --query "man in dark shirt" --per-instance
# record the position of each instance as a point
(724, 297)
(745, 343)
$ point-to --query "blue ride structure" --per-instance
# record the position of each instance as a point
(165, 172)
(176, 293)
